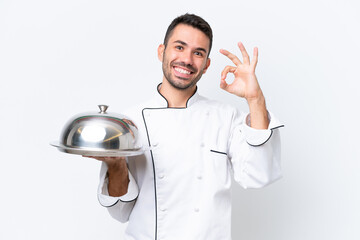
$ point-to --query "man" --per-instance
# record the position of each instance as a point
(180, 189)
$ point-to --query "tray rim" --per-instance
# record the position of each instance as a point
(97, 152)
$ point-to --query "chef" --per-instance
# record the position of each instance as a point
(180, 188)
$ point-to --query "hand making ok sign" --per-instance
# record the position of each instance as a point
(245, 84)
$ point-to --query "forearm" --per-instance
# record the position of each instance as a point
(119, 207)
(118, 178)
(256, 153)
(258, 166)
(258, 113)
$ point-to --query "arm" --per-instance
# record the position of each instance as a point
(245, 85)
(117, 173)
(255, 154)
(255, 148)
(117, 189)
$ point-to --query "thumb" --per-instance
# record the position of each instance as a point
(223, 84)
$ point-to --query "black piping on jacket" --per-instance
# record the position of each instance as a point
(272, 129)
(151, 154)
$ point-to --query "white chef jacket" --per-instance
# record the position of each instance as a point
(180, 189)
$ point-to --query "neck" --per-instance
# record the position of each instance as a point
(176, 97)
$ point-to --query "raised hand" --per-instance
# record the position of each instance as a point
(245, 84)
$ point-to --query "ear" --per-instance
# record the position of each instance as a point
(161, 50)
(207, 65)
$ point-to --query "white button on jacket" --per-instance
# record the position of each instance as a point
(197, 148)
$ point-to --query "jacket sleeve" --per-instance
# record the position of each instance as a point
(255, 154)
(119, 207)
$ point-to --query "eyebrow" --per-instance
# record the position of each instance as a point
(185, 44)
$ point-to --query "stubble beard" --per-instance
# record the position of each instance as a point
(180, 85)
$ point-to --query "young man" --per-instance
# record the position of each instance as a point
(180, 189)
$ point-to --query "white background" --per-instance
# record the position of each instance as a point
(59, 58)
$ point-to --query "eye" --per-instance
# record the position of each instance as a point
(198, 54)
(179, 47)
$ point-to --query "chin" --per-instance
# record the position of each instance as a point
(181, 86)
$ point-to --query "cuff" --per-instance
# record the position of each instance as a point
(257, 137)
(108, 201)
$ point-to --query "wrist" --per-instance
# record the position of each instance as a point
(118, 168)
(256, 103)
(118, 180)
(258, 112)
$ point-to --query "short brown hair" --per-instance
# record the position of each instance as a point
(191, 20)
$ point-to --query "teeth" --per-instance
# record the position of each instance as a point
(180, 70)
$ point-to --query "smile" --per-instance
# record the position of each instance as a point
(182, 71)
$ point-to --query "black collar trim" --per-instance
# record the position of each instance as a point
(167, 103)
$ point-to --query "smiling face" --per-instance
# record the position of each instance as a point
(184, 59)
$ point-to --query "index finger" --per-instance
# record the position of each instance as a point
(231, 56)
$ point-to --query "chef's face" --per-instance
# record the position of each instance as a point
(185, 57)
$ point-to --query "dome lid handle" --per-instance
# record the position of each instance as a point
(103, 108)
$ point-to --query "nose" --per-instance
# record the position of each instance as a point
(187, 58)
